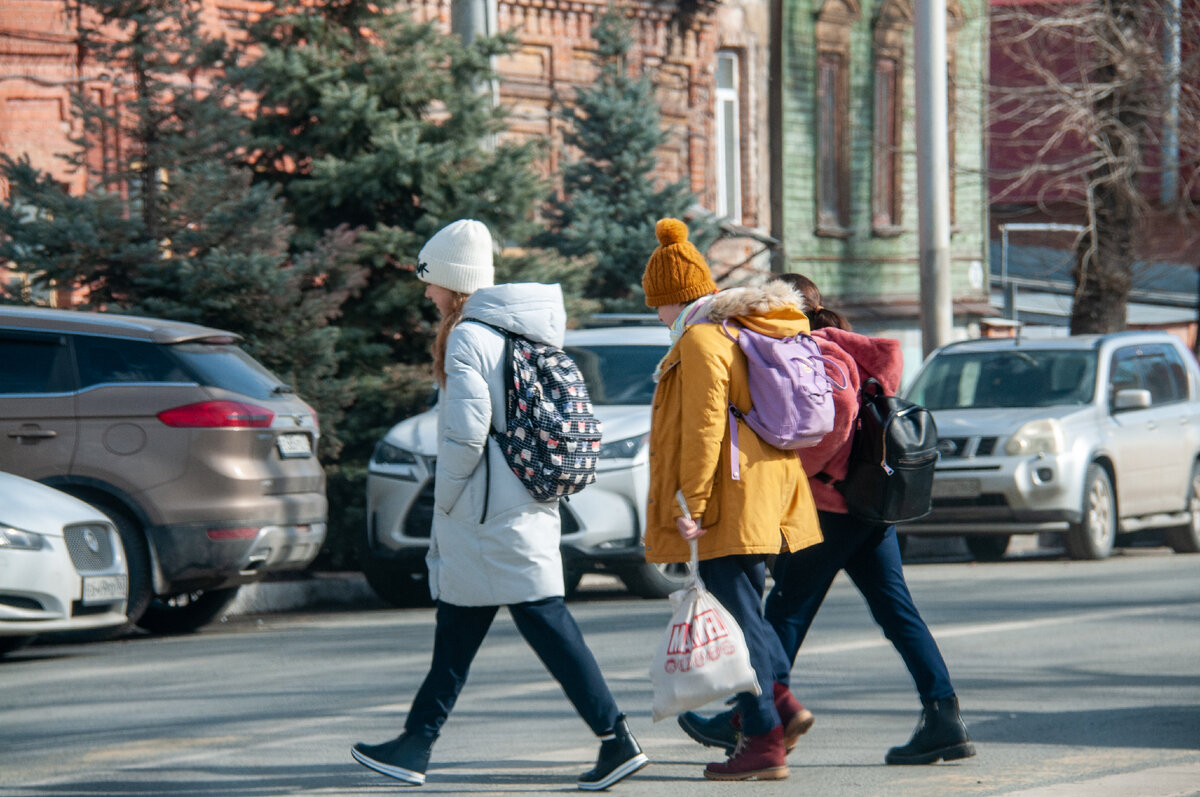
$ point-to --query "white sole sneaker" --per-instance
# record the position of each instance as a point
(406, 776)
(623, 771)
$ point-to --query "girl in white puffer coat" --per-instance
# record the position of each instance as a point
(510, 557)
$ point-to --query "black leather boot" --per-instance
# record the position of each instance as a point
(940, 735)
(620, 756)
(404, 758)
(716, 731)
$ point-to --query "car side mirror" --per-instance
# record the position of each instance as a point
(1131, 399)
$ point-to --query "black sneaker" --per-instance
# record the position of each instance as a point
(619, 757)
(405, 758)
(717, 731)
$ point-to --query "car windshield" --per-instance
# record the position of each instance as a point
(228, 367)
(618, 374)
(1025, 378)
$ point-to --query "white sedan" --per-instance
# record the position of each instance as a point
(62, 567)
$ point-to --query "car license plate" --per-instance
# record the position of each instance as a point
(955, 488)
(294, 445)
(104, 589)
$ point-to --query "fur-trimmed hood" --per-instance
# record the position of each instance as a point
(774, 309)
(754, 300)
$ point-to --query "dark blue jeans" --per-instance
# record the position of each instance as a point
(870, 555)
(552, 633)
(738, 583)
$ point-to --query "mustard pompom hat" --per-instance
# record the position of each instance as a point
(676, 273)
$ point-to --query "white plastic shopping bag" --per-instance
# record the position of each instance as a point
(702, 656)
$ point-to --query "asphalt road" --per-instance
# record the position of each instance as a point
(1076, 678)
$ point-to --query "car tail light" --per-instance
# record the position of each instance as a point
(218, 415)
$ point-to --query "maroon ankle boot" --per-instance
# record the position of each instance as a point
(760, 757)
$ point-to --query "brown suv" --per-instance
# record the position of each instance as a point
(203, 459)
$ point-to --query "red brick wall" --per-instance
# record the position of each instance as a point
(39, 64)
(37, 70)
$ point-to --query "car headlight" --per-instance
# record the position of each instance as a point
(1037, 437)
(623, 449)
(15, 539)
(400, 464)
(388, 454)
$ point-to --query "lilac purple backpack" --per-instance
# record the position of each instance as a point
(790, 387)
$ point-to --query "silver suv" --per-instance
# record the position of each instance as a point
(602, 526)
(203, 459)
(1090, 436)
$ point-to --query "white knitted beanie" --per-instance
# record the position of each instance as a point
(458, 257)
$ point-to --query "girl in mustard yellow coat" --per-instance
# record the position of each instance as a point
(748, 501)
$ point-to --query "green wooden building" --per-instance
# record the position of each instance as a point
(844, 198)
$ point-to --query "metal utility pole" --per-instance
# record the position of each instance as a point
(471, 19)
(1170, 136)
(933, 173)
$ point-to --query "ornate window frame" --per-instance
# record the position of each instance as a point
(891, 29)
(835, 21)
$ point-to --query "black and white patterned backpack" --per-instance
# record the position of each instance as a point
(552, 439)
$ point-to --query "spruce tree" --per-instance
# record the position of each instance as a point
(609, 202)
(171, 224)
(369, 119)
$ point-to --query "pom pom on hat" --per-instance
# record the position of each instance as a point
(671, 231)
(458, 257)
(676, 272)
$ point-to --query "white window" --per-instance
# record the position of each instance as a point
(728, 139)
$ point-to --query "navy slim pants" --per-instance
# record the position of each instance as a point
(738, 583)
(552, 633)
(870, 555)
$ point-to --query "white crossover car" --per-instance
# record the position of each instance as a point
(62, 567)
(602, 526)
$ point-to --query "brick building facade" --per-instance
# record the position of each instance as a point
(40, 63)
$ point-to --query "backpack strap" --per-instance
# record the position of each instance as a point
(735, 471)
(487, 481)
(507, 359)
(869, 385)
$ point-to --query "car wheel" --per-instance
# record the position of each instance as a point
(988, 547)
(653, 580)
(400, 586)
(187, 611)
(137, 558)
(1186, 538)
(10, 643)
(1093, 536)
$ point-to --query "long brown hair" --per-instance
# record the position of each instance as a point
(818, 314)
(449, 321)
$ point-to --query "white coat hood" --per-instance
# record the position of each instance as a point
(529, 309)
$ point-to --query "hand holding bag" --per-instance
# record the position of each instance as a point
(702, 656)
